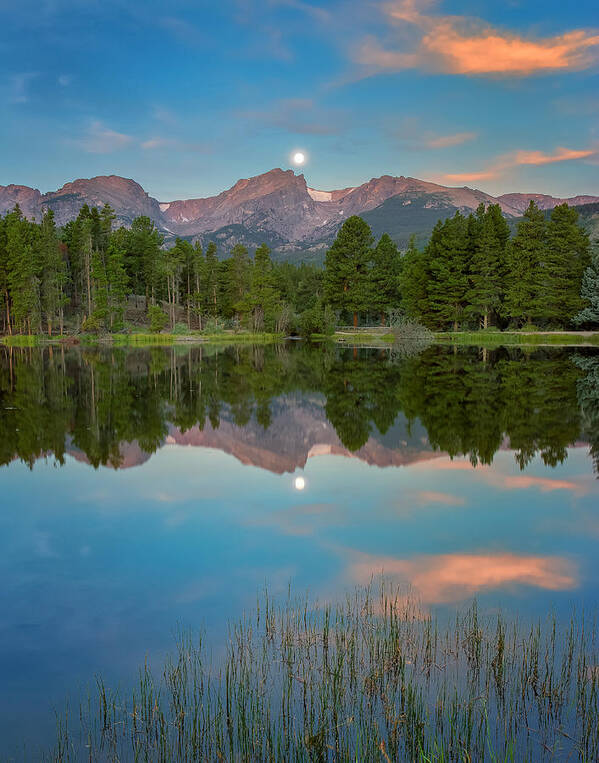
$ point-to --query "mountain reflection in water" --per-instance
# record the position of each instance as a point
(276, 406)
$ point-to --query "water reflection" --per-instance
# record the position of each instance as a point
(243, 467)
(275, 407)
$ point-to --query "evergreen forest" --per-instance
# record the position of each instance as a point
(473, 273)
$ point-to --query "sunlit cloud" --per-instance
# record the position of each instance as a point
(495, 477)
(432, 496)
(100, 139)
(470, 46)
(470, 177)
(519, 158)
(446, 578)
(560, 155)
(411, 133)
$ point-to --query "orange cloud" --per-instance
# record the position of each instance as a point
(447, 578)
(560, 155)
(469, 177)
(490, 52)
(463, 45)
(432, 496)
(517, 158)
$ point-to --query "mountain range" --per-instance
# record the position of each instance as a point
(277, 208)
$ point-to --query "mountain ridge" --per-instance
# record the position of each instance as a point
(277, 206)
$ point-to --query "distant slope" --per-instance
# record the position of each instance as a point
(402, 217)
(520, 201)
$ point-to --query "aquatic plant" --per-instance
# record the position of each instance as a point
(372, 678)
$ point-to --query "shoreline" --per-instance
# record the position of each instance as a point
(377, 338)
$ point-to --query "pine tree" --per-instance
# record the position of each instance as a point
(211, 282)
(347, 266)
(174, 260)
(23, 281)
(566, 257)
(590, 292)
(414, 282)
(196, 271)
(489, 235)
(4, 279)
(448, 263)
(118, 282)
(144, 257)
(525, 255)
(239, 272)
(262, 298)
(54, 274)
(385, 276)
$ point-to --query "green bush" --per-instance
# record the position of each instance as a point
(180, 328)
(213, 326)
(92, 325)
(157, 318)
(317, 320)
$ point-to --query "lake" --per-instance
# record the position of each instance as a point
(147, 489)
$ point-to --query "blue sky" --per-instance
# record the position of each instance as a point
(188, 96)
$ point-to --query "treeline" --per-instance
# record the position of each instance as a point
(96, 401)
(472, 273)
(83, 276)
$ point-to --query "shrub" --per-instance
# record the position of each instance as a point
(410, 337)
(317, 320)
(213, 326)
(157, 318)
(180, 328)
(92, 325)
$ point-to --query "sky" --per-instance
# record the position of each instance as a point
(188, 96)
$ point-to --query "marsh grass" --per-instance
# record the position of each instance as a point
(521, 338)
(371, 679)
(20, 340)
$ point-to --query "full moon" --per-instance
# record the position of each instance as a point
(299, 157)
(299, 483)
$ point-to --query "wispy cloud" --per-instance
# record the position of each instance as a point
(298, 115)
(470, 46)
(100, 139)
(469, 177)
(19, 86)
(182, 29)
(519, 158)
(154, 143)
(412, 134)
(314, 11)
(560, 155)
(158, 142)
(64, 80)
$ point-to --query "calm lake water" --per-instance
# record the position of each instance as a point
(142, 490)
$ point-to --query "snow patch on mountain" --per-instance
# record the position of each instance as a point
(320, 195)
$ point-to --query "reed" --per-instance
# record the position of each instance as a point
(374, 678)
(520, 338)
(20, 340)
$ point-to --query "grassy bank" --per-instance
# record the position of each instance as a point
(383, 338)
(502, 338)
(375, 678)
(144, 339)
